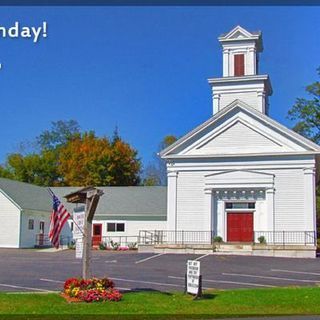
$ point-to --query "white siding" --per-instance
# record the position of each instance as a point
(28, 237)
(9, 223)
(191, 202)
(289, 200)
(238, 137)
(132, 228)
(290, 213)
(249, 98)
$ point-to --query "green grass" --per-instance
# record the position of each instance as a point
(142, 305)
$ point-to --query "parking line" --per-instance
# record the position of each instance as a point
(298, 272)
(49, 280)
(149, 258)
(229, 282)
(266, 277)
(148, 282)
(205, 255)
(20, 287)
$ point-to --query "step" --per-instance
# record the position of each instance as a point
(234, 247)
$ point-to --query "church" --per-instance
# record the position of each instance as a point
(241, 175)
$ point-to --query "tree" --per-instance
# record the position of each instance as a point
(89, 160)
(307, 113)
(67, 157)
(40, 166)
(60, 133)
(155, 173)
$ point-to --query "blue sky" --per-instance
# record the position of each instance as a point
(143, 69)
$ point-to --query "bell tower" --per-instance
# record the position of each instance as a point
(241, 79)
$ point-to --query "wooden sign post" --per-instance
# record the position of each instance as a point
(90, 197)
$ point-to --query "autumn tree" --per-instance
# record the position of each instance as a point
(64, 156)
(89, 160)
(40, 166)
(155, 173)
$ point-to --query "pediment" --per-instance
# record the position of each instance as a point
(238, 137)
(239, 130)
(238, 33)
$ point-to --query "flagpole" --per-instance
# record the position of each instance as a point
(52, 194)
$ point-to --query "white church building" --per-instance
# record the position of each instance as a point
(242, 175)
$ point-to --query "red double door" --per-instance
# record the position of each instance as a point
(240, 226)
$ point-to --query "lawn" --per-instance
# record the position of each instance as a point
(143, 305)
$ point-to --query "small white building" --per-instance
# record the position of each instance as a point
(121, 213)
(241, 175)
(24, 213)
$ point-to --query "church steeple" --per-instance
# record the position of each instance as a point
(241, 80)
(240, 52)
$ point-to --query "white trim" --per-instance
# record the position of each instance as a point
(237, 155)
(247, 35)
(260, 116)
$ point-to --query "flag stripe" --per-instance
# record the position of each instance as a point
(58, 218)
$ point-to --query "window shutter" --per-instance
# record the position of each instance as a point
(239, 65)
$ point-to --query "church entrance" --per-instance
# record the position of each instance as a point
(240, 226)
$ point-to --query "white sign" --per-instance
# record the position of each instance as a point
(78, 225)
(193, 276)
(79, 249)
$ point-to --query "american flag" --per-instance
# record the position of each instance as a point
(59, 217)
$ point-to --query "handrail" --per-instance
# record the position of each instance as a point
(175, 237)
(286, 237)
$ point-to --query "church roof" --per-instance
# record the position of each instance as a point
(190, 138)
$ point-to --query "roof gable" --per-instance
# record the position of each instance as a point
(238, 33)
(237, 136)
(239, 130)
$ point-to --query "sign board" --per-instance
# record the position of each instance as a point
(193, 276)
(79, 249)
(78, 226)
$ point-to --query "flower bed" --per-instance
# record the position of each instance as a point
(91, 290)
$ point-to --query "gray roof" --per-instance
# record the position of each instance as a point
(136, 201)
(27, 196)
(126, 201)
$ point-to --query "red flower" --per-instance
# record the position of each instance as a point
(71, 283)
(92, 290)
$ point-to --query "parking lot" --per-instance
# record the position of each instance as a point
(34, 270)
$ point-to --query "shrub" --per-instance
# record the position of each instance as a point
(132, 245)
(114, 245)
(217, 239)
(262, 240)
(72, 244)
(102, 246)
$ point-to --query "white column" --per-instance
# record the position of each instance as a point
(252, 63)
(309, 200)
(215, 102)
(226, 63)
(208, 209)
(172, 200)
(261, 101)
(270, 209)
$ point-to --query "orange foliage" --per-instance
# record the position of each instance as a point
(89, 160)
